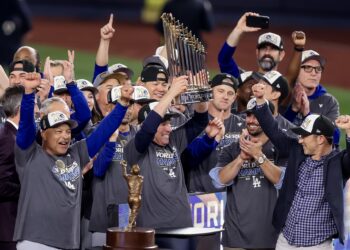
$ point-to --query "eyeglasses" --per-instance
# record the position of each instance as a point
(309, 68)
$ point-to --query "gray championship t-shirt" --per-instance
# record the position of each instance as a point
(164, 195)
(199, 179)
(111, 189)
(50, 199)
(250, 203)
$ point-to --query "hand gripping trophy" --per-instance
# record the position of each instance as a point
(134, 181)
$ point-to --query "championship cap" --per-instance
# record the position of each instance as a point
(104, 76)
(248, 75)
(145, 110)
(278, 82)
(224, 79)
(271, 39)
(315, 124)
(141, 95)
(311, 54)
(56, 118)
(59, 85)
(83, 84)
(115, 68)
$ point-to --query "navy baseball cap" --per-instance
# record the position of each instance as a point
(145, 110)
(150, 73)
(315, 124)
(277, 81)
(224, 79)
(25, 66)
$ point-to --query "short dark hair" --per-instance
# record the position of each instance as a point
(11, 100)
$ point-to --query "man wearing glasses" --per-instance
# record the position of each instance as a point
(309, 95)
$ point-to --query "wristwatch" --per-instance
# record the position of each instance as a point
(262, 159)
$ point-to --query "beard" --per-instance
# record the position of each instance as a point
(267, 63)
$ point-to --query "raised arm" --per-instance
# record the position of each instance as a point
(343, 122)
(110, 123)
(268, 123)
(299, 41)
(202, 146)
(27, 130)
(225, 57)
(102, 55)
(149, 127)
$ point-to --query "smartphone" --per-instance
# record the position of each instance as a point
(258, 21)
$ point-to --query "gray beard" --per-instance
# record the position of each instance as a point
(267, 65)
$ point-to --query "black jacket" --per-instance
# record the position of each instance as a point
(336, 172)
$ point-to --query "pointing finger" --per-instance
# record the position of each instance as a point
(110, 22)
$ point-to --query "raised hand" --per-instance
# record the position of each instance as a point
(259, 92)
(47, 71)
(343, 122)
(31, 82)
(68, 71)
(299, 39)
(107, 31)
(43, 89)
(179, 85)
(242, 23)
(126, 94)
(214, 127)
(71, 57)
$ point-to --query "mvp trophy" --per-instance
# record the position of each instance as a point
(132, 237)
(186, 56)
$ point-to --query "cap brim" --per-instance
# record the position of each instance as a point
(127, 71)
(170, 115)
(267, 43)
(143, 101)
(318, 58)
(72, 124)
(92, 89)
(60, 91)
(300, 131)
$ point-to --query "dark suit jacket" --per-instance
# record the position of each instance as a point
(9, 182)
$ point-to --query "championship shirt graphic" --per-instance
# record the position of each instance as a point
(167, 159)
(251, 171)
(69, 175)
(119, 150)
(227, 140)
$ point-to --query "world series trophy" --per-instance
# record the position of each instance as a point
(131, 237)
(186, 56)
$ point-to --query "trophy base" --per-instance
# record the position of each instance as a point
(202, 95)
(135, 239)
